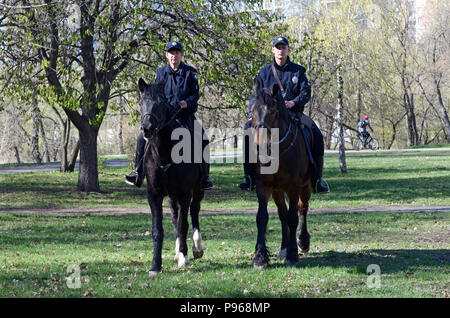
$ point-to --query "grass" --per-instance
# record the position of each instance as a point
(114, 254)
(373, 179)
(430, 146)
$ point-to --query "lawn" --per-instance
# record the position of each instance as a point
(113, 253)
(374, 179)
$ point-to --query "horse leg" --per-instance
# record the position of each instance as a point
(155, 202)
(197, 248)
(278, 198)
(303, 238)
(174, 208)
(261, 258)
(292, 220)
(182, 228)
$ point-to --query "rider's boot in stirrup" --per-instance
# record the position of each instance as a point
(249, 183)
(138, 177)
(135, 179)
(318, 187)
(206, 182)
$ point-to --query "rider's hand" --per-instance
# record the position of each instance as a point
(289, 104)
(183, 104)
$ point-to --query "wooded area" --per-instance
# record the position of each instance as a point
(68, 70)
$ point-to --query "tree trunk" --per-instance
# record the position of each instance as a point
(340, 112)
(16, 152)
(73, 157)
(121, 150)
(329, 134)
(44, 140)
(35, 154)
(88, 174)
(65, 128)
(444, 112)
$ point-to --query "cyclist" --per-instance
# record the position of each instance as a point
(362, 125)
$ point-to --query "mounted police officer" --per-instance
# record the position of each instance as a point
(296, 93)
(182, 91)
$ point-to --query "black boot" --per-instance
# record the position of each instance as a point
(206, 183)
(134, 179)
(318, 187)
(138, 176)
(249, 175)
(248, 184)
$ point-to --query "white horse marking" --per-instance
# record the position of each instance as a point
(182, 260)
(177, 248)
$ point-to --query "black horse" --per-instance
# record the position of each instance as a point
(292, 178)
(179, 181)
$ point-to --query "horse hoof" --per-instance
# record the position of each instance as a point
(260, 267)
(303, 244)
(290, 263)
(197, 253)
(153, 273)
(182, 260)
(282, 254)
(197, 248)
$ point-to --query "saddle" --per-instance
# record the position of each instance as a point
(307, 124)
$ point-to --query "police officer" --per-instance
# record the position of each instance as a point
(297, 93)
(182, 91)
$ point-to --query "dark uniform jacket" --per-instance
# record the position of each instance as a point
(181, 84)
(294, 82)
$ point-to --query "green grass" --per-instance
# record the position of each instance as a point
(430, 146)
(114, 254)
(373, 179)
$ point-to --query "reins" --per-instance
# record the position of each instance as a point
(147, 144)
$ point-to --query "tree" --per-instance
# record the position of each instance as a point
(86, 48)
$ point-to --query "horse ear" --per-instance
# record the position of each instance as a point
(142, 85)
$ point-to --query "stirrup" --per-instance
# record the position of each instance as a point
(248, 185)
(206, 183)
(133, 180)
(326, 188)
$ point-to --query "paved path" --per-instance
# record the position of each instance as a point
(119, 162)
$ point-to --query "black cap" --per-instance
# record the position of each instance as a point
(280, 39)
(173, 45)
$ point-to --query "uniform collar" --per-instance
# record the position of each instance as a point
(180, 70)
(285, 65)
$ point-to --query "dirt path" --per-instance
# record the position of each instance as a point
(113, 211)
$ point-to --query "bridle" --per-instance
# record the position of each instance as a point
(159, 120)
(157, 130)
(262, 124)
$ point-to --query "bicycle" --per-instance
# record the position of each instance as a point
(370, 143)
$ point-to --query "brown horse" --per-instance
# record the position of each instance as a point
(292, 179)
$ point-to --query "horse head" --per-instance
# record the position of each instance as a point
(154, 112)
(267, 112)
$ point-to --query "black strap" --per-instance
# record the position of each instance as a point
(274, 71)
